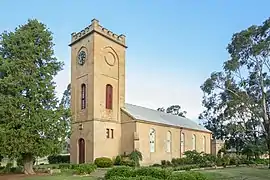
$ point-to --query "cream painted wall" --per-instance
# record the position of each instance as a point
(160, 153)
(128, 128)
(103, 146)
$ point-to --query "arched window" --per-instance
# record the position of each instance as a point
(169, 141)
(109, 96)
(193, 142)
(182, 143)
(204, 144)
(81, 145)
(83, 96)
(152, 138)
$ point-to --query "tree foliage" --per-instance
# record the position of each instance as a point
(31, 122)
(238, 97)
(65, 104)
(175, 110)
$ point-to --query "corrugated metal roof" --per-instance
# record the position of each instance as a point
(151, 115)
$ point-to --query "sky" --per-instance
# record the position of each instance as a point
(173, 45)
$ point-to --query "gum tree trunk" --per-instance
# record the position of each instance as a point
(28, 164)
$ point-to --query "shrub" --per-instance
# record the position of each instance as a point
(153, 172)
(234, 161)
(128, 162)
(163, 162)
(194, 157)
(57, 159)
(16, 170)
(187, 176)
(103, 162)
(225, 160)
(174, 162)
(7, 168)
(156, 165)
(187, 167)
(119, 172)
(136, 156)
(207, 164)
(262, 161)
(65, 166)
(166, 163)
(139, 173)
(134, 178)
(80, 169)
(209, 157)
(118, 160)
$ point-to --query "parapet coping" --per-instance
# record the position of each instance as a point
(96, 27)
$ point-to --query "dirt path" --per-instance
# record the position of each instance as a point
(18, 176)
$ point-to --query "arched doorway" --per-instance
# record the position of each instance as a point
(81, 151)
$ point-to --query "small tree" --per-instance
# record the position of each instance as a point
(175, 110)
(136, 156)
(31, 123)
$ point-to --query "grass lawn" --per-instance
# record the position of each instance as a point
(244, 173)
(94, 176)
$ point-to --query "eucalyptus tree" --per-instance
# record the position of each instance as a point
(241, 90)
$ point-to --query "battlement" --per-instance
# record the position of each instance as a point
(96, 27)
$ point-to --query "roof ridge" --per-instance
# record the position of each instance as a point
(161, 112)
(140, 112)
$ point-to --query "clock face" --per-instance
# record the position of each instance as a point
(81, 57)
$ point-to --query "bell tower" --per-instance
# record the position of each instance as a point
(97, 92)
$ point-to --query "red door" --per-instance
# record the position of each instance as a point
(81, 151)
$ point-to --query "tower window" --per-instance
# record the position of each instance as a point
(83, 96)
(109, 96)
(108, 133)
(112, 133)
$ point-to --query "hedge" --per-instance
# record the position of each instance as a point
(187, 176)
(150, 173)
(58, 159)
(103, 162)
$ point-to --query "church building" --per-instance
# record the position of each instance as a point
(103, 124)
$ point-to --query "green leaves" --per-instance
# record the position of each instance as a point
(240, 92)
(30, 115)
(174, 109)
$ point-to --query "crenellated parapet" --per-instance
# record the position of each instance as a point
(96, 27)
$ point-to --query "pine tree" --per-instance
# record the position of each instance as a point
(31, 122)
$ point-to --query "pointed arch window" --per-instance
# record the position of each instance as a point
(169, 141)
(182, 143)
(109, 96)
(83, 96)
(152, 138)
(204, 143)
(193, 142)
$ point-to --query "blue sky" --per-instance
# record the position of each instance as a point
(173, 45)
